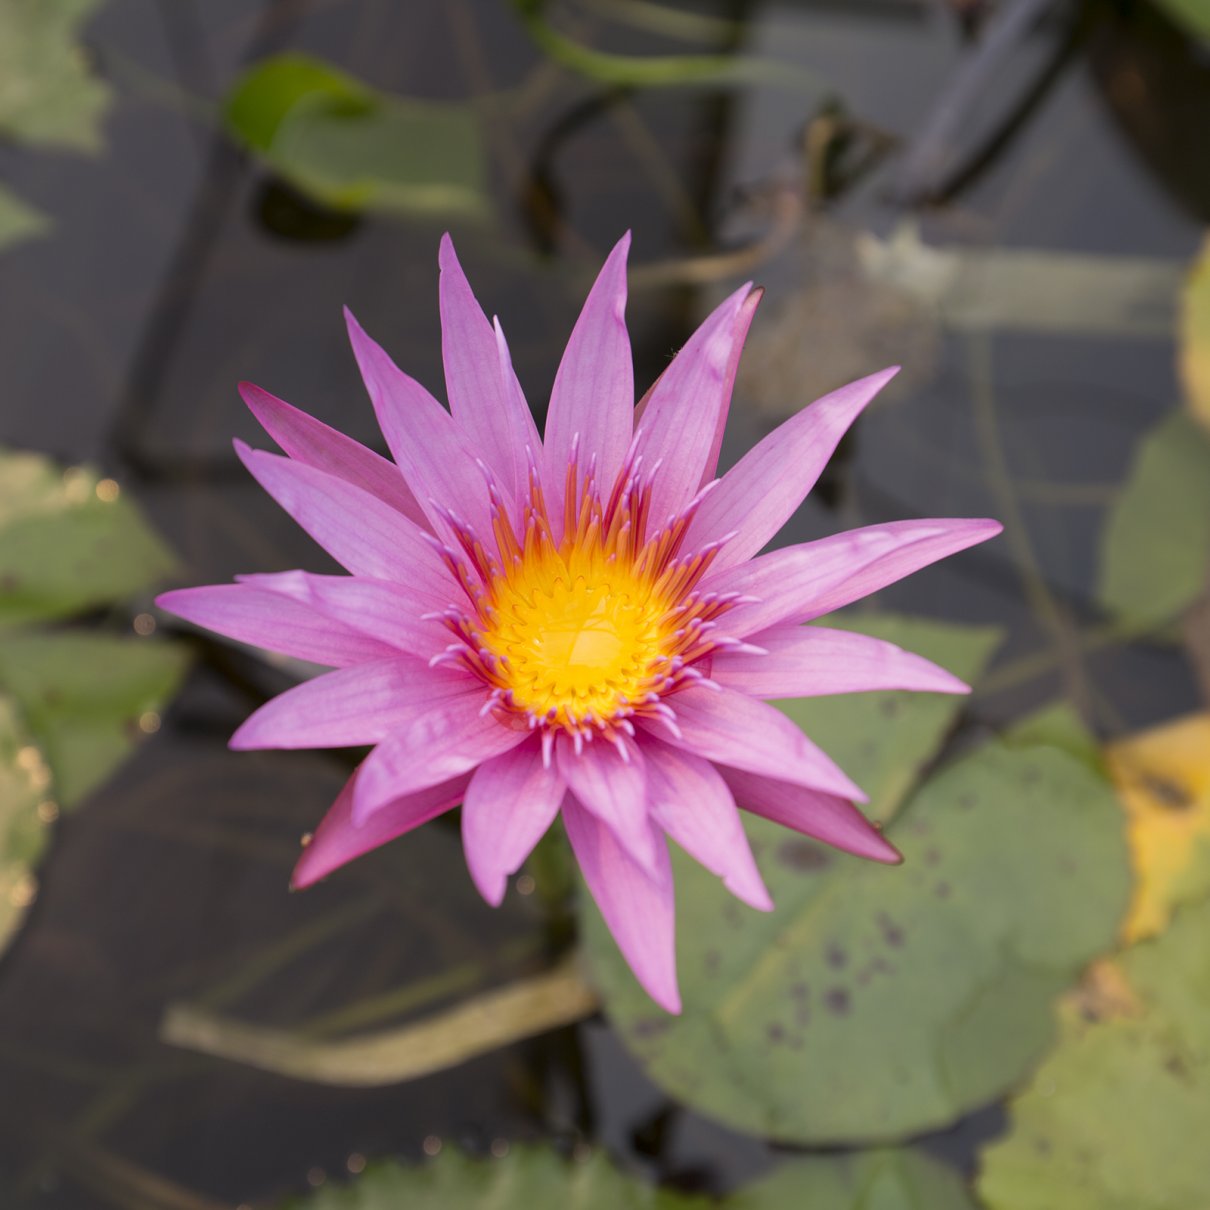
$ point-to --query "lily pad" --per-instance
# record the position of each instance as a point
(883, 1179)
(69, 542)
(1163, 779)
(1118, 1116)
(529, 1176)
(88, 698)
(1194, 339)
(884, 740)
(24, 789)
(18, 221)
(353, 148)
(47, 94)
(1155, 549)
(874, 1003)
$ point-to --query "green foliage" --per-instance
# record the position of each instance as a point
(64, 548)
(23, 787)
(82, 696)
(885, 1179)
(46, 92)
(18, 221)
(70, 702)
(1194, 15)
(1155, 549)
(876, 1002)
(884, 740)
(531, 1176)
(1118, 1116)
(353, 148)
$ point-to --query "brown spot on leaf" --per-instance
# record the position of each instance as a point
(892, 934)
(838, 1000)
(942, 890)
(1168, 792)
(803, 855)
(836, 957)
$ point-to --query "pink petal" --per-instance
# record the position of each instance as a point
(359, 531)
(436, 460)
(452, 736)
(798, 583)
(311, 441)
(825, 817)
(593, 395)
(415, 597)
(267, 619)
(734, 729)
(759, 493)
(692, 803)
(359, 705)
(811, 661)
(390, 612)
(612, 788)
(511, 801)
(337, 841)
(639, 910)
(686, 410)
(485, 397)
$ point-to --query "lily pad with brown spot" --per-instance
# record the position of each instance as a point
(877, 1002)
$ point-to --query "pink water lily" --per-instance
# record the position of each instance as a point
(578, 625)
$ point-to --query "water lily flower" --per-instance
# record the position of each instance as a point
(580, 624)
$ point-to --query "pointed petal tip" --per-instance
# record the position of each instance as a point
(754, 894)
(668, 998)
(491, 886)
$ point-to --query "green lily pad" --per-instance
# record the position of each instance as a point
(18, 221)
(1155, 549)
(354, 148)
(884, 740)
(1118, 1116)
(533, 1176)
(47, 94)
(883, 1179)
(24, 788)
(874, 1003)
(83, 697)
(69, 542)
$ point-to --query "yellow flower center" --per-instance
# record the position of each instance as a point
(584, 631)
(577, 638)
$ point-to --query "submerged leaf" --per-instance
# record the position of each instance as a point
(351, 147)
(875, 1002)
(69, 542)
(18, 221)
(1118, 1116)
(1155, 548)
(47, 94)
(1163, 779)
(83, 697)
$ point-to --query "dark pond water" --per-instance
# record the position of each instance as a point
(178, 267)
